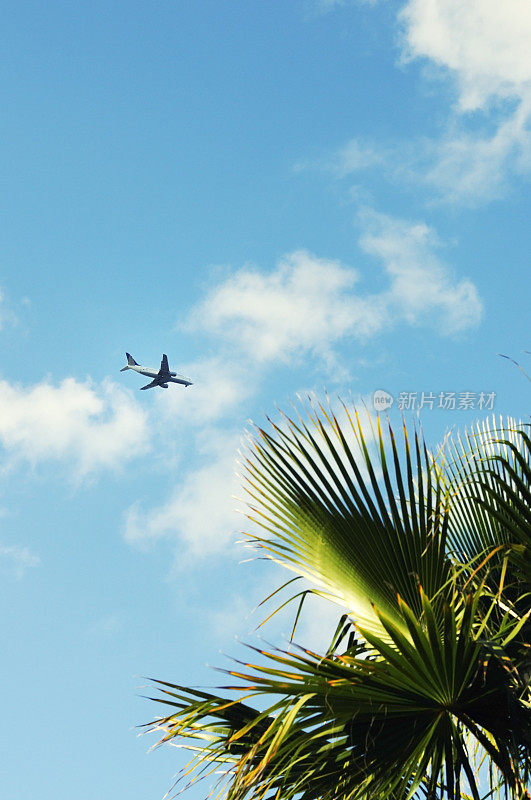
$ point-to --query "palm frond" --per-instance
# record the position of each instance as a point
(379, 720)
(356, 524)
(490, 486)
(428, 673)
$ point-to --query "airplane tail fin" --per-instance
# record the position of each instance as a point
(130, 362)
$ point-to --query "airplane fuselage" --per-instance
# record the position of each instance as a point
(169, 377)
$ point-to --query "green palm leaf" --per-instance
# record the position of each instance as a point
(490, 485)
(376, 721)
(360, 530)
(429, 560)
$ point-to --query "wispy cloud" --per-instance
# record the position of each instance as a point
(200, 513)
(422, 288)
(88, 426)
(18, 559)
(462, 167)
(482, 48)
(308, 304)
(221, 383)
(8, 316)
(106, 626)
(469, 168)
(305, 304)
(330, 5)
(357, 155)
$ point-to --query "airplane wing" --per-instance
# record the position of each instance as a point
(150, 385)
(164, 364)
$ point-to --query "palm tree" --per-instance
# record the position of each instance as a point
(424, 689)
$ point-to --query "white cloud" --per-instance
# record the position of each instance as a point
(18, 558)
(220, 385)
(484, 43)
(461, 166)
(87, 425)
(307, 304)
(200, 513)
(483, 46)
(421, 286)
(357, 155)
(468, 167)
(304, 304)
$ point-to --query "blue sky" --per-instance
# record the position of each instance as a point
(283, 197)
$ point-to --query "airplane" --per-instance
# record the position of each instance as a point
(161, 377)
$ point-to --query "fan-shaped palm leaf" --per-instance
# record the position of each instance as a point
(490, 485)
(360, 530)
